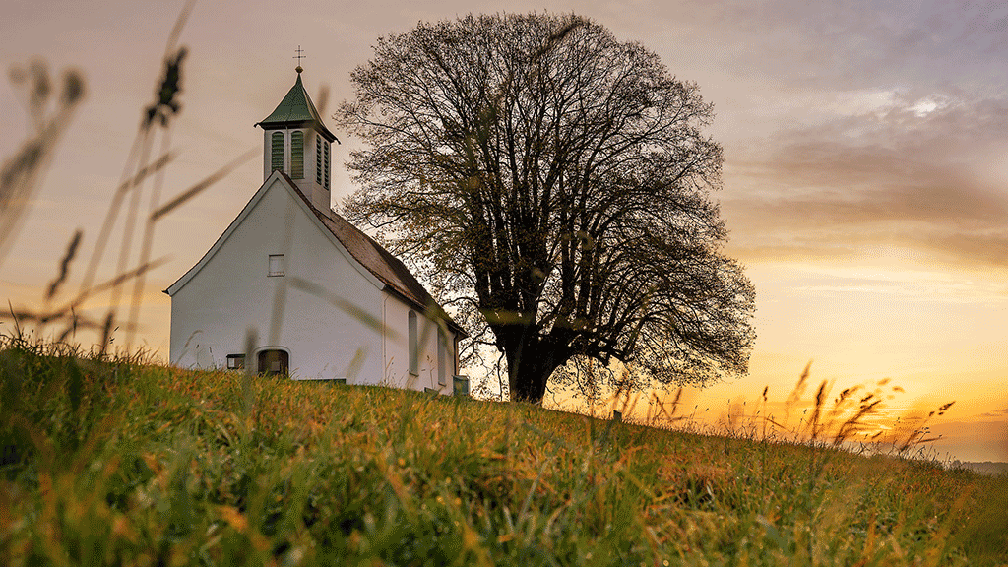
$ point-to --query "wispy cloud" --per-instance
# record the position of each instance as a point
(914, 172)
(852, 45)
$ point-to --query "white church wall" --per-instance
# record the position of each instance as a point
(397, 350)
(211, 312)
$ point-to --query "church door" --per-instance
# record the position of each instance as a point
(273, 361)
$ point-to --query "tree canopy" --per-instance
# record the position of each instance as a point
(554, 184)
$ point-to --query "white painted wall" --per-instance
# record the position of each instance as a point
(397, 355)
(232, 292)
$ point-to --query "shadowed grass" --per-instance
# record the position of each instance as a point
(114, 461)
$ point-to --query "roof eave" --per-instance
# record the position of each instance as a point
(429, 310)
(319, 127)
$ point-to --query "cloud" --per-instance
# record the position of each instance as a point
(853, 45)
(996, 413)
(920, 173)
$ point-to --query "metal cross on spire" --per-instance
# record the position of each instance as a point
(299, 57)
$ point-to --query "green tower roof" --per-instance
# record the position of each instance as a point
(295, 110)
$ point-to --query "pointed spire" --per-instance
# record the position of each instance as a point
(297, 110)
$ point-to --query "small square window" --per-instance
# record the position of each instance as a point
(236, 362)
(276, 265)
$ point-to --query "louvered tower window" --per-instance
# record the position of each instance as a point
(297, 154)
(318, 160)
(325, 148)
(278, 151)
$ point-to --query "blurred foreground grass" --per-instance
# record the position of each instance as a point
(113, 461)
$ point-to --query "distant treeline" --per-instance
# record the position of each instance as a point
(985, 467)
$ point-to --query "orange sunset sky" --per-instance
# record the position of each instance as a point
(865, 178)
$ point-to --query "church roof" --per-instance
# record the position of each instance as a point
(296, 109)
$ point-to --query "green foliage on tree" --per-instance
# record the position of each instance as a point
(553, 183)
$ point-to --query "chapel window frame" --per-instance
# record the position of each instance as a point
(277, 266)
(318, 159)
(414, 347)
(236, 361)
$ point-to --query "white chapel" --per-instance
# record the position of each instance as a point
(291, 287)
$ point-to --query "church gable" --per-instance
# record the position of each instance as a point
(277, 182)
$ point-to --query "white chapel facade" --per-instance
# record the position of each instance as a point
(292, 287)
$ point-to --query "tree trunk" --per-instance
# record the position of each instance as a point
(530, 365)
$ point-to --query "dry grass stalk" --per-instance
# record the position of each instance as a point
(21, 175)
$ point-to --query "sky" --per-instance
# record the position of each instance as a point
(865, 176)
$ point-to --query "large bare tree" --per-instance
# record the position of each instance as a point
(556, 182)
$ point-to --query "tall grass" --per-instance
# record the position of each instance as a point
(116, 461)
(857, 419)
(61, 314)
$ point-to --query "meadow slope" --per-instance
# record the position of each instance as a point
(113, 462)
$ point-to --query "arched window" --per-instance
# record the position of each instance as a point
(318, 159)
(278, 151)
(414, 354)
(273, 361)
(297, 154)
(442, 360)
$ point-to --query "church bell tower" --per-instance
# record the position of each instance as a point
(297, 143)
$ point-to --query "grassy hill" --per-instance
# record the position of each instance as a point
(121, 463)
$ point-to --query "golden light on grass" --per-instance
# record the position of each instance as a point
(860, 418)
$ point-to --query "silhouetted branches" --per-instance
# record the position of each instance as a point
(559, 180)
